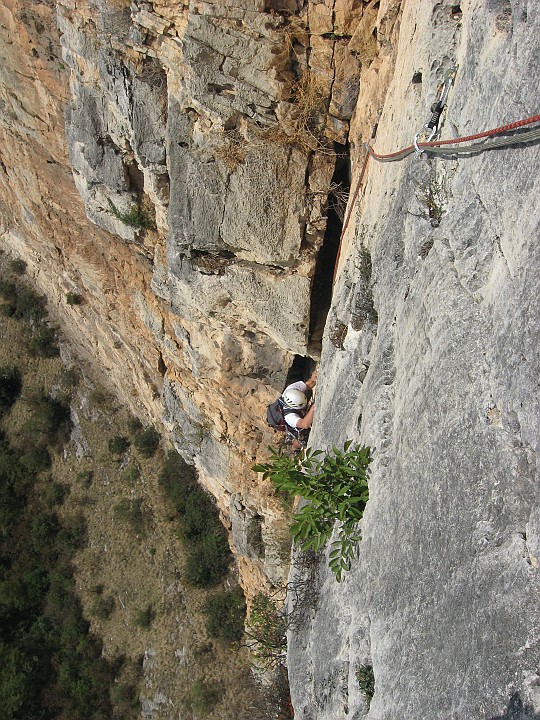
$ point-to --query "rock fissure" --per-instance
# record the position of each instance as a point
(198, 321)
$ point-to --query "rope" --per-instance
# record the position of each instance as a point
(437, 146)
(443, 147)
(351, 206)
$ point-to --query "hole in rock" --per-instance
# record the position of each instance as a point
(321, 286)
(154, 74)
(417, 78)
(216, 89)
(285, 7)
(300, 369)
(136, 178)
(254, 535)
(162, 368)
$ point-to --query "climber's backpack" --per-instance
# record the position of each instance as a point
(275, 417)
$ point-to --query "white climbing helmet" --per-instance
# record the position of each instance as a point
(294, 399)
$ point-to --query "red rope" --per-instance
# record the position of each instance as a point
(351, 206)
(457, 141)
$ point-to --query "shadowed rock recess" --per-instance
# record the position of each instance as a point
(175, 164)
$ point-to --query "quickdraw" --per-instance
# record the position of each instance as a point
(437, 109)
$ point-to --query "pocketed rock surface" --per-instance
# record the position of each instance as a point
(149, 164)
(443, 599)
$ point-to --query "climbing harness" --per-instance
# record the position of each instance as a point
(489, 140)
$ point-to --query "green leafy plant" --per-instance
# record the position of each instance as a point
(208, 560)
(200, 514)
(125, 698)
(147, 441)
(10, 387)
(336, 489)
(431, 196)
(134, 425)
(226, 612)
(36, 459)
(54, 493)
(202, 697)
(73, 298)
(50, 422)
(43, 343)
(22, 302)
(137, 216)
(144, 618)
(177, 479)
(366, 681)
(18, 266)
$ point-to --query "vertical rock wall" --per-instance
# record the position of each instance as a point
(157, 160)
(430, 357)
(184, 199)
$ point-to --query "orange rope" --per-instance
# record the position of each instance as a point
(456, 141)
(351, 206)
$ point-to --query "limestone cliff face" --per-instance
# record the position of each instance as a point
(184, 200)
(172, 161)
(443, 600)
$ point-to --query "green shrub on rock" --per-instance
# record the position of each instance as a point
(18, 266)
(43, 343)
(144, 618)
(208, 561)
(267, 631)
(73, 298)
(177, 479)
(203, 697)
(336, 489)
(23, 303)
(10, 387)
(36, 459)
(50, 422)
(118, 444)
(366, 681)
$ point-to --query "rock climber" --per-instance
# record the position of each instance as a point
(298, 416)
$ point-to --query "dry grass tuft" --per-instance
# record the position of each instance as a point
(293, 41)
(232, 150)
(304, 124)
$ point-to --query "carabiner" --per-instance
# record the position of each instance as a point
(439, 105)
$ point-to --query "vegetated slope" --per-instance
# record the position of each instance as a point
(98, 580)
(442, 383)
